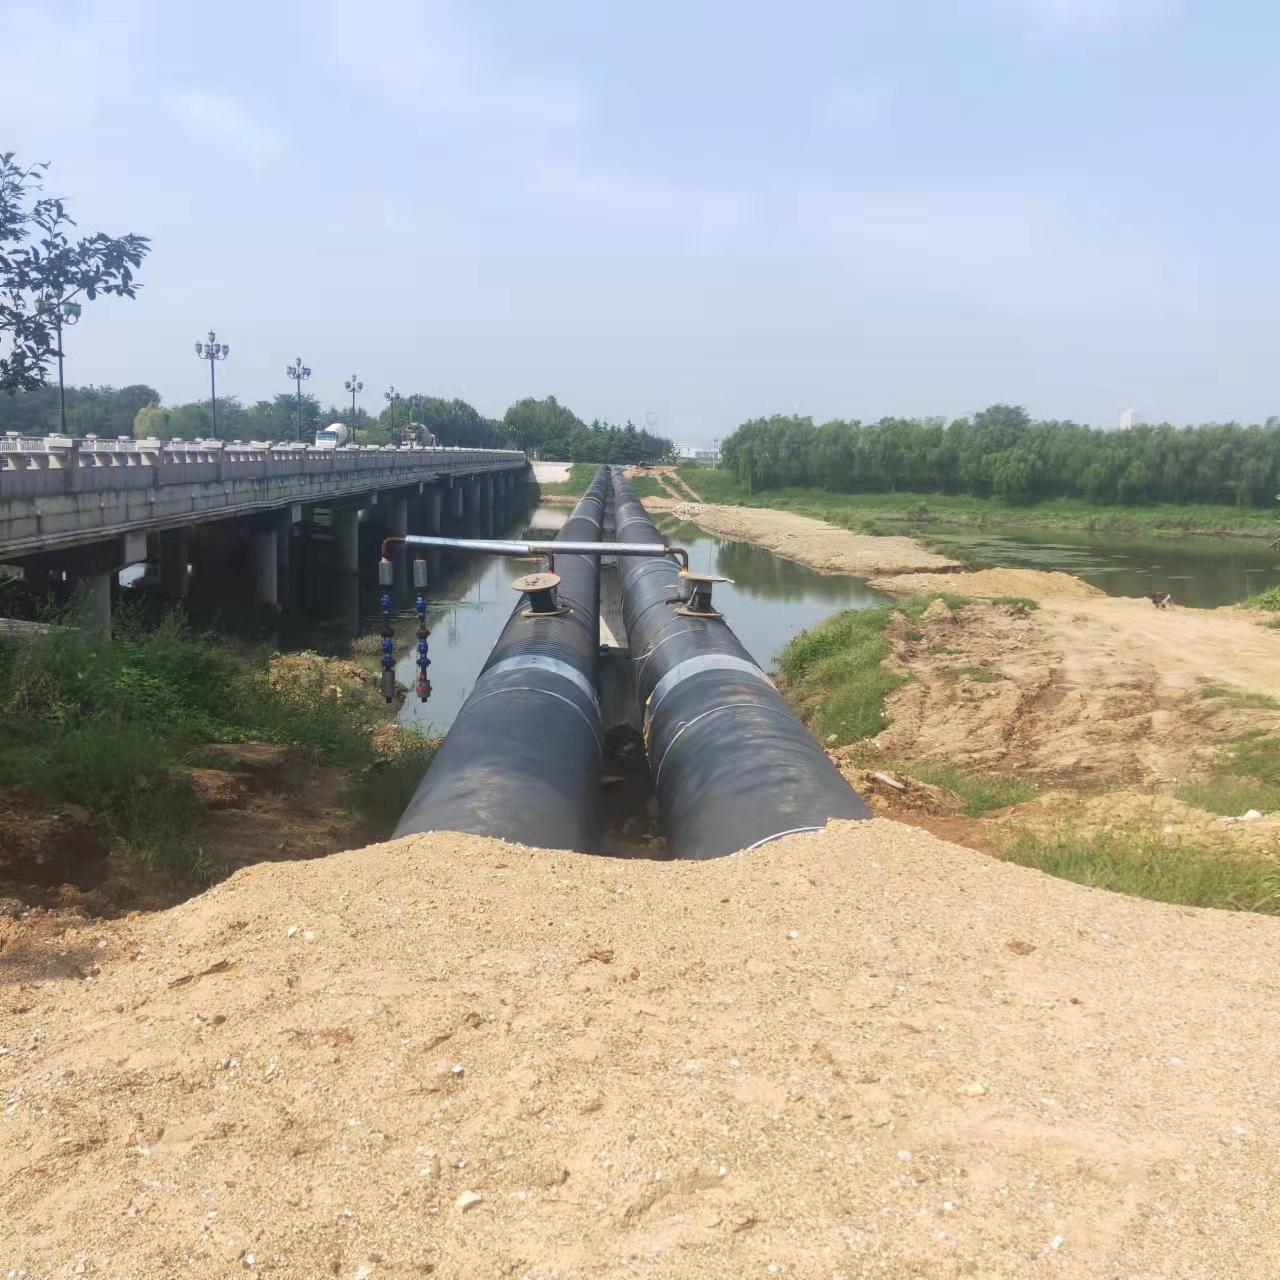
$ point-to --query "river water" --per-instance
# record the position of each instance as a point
(769, 601)
(1201, 573)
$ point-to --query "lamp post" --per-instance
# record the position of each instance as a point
(354, 385)
(392, 397)
(64, 313)
(213, 351)
(299, 372)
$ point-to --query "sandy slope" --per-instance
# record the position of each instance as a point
(1098, 691)
(812, 542)
(863, 1053)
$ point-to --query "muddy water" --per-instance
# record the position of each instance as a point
(1202, 573)
(769, 601)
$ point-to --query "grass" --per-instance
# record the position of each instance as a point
(1245, 776)
(980, 794)
(863, 512)
(980, 674)
(1243, 699)
(834, 672)
(103, 722)
(1268, 600)
(649, 487)
(1144, 867)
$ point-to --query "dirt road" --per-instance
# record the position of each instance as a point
(864, 1053)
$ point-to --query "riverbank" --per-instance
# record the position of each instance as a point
(135, 768)
(805, 540)
(914, 512)
(1094, 737)
(681, 1069)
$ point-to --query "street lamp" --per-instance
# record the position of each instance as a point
(353, 386)
(213, 351)
(299, 372)
(392, 398)
(64, 312)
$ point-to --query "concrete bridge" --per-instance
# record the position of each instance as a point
(75, 512)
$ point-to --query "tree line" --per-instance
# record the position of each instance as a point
(1002, 453)
(544, 427)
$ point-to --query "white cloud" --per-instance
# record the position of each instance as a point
(645, 203)
(997, 248)
(221, 119)
(411, 53)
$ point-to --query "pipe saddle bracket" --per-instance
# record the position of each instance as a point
(696, 602)
(541, 590)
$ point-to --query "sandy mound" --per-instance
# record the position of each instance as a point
(863, 1053)
(1031, 584)
(1100, 692)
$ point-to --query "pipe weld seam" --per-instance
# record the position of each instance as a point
(552, 666)
(547, 693)
(695, 666)
(783, 712)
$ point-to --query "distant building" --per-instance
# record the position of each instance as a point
(1129, 418)
(695, 453)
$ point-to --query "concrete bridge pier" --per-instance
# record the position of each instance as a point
(266, 566)
(346, 529)
(171, 554)
(456, 498)
(472, 490)
(435, 510)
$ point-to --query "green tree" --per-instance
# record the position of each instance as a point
(44, 273)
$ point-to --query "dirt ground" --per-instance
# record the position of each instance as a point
(1100, 693)
(859, 1053)
(813, 542)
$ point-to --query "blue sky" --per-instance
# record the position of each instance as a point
(705, 210)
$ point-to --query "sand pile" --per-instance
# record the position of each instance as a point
(863, 1053)
(1032, 584)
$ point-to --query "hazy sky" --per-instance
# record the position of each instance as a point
(703, 209)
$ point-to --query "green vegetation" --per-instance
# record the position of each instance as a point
(104, 722)
(1245, 776)
(834, 672)
(555, 432)
(1268, 600)
(980, 674)
(1001, 453)
(46, 277)
(981, 795)
(1145, 867)
(1243, 699)
(913, 513)
(649, 487)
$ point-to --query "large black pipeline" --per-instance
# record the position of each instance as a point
(732, 767)
(523, 759)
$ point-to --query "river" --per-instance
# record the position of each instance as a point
(1201, 573)
(769, 601)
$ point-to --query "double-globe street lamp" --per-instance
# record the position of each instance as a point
(64, 313)
(392, 397)
(213, 351)
(353, 385)
(299, 372)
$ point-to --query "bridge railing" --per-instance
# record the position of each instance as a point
(32, 468)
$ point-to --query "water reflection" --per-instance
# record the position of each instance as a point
(763, 583)
(1203, 573)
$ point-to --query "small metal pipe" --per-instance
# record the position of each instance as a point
(497, 547)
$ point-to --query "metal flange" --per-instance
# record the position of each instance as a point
(697, 601)
(541, 590)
